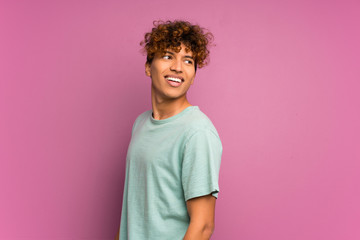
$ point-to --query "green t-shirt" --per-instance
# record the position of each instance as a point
(168, 162)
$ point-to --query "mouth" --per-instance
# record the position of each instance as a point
(174, 78)
(174, 81)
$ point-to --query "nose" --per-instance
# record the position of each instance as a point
(176, 65)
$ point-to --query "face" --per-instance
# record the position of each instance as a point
(171, 73)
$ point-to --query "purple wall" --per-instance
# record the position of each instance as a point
(282, 88)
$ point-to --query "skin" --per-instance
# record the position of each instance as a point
(168, 101)
(202, 215)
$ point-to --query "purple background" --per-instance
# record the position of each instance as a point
(282, 88)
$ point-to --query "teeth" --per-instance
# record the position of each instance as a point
(174, 79)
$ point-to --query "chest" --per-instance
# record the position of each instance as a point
(158, 151)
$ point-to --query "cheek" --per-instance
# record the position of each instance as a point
(156, 74)
(191, 76)
(155, 69)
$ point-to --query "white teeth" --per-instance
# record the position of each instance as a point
(174, 79)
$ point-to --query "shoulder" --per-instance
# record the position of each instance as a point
(198, 122)
(141, 118)
(144, 115)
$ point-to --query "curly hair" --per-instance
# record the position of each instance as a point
(170, 35)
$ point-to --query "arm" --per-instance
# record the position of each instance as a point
(202, 214)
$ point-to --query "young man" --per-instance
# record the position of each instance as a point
(173, 159)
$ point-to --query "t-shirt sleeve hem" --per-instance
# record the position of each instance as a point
(214, 192)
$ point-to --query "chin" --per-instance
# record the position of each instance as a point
(174, 96)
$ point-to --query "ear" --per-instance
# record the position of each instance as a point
(147, 70)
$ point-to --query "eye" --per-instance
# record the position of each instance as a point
(188, 62)
(166, 57)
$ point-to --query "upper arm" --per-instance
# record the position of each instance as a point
(202, 210)
(201, 164)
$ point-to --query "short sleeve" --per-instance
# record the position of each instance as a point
(201, 164)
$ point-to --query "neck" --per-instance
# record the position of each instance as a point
(164, 108)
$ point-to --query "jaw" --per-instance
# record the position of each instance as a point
(167, 94)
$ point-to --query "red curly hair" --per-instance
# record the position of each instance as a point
(170, 35)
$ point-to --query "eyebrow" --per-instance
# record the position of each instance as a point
(186, 56)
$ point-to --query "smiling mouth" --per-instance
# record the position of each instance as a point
(174, 79)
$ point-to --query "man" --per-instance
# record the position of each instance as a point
(173, 159)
